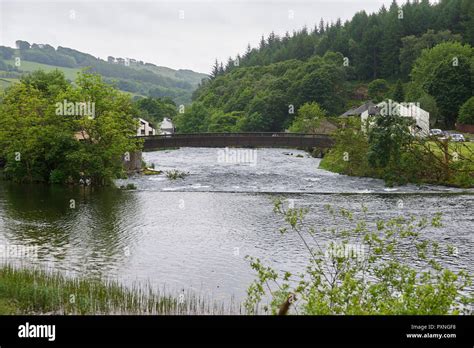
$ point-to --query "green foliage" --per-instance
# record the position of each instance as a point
(52, 294)
(221, 122)
(366, 269)
(128, 187)
(389, 152)
(195, 119)
(388, 137)
(430, 59)
(451, 85)
(398, 93)
(428, 103)
(263, 97)
(413, 46)
(176, 174)
(349, 153)
(466, 113)
(308, 119)
(155, 109)
(37, 139)
(378, 90)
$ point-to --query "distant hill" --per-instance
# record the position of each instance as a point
(129, 75)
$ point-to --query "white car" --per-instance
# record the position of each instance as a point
(457, 138)
(436, 132)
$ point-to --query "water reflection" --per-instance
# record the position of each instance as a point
(75, 229)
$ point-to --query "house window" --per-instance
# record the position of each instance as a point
(143, 132)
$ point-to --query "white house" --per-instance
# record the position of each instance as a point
(146, 128)
(166, 126)
(390, 107)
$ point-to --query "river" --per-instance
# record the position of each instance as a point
(194, 233)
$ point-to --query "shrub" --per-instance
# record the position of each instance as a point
(366, 268)
(57, 176)
(176, 174)
(466, 113)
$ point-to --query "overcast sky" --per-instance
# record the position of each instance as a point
(177, 34)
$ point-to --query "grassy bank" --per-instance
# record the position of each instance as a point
(399, 158)
(24, 291)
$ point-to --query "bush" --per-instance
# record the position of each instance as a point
(367, 268)
(378, 90)
(349, 154)
(176, 174)
(57, 176)
(466, 113)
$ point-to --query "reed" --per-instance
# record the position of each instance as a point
(35, 291)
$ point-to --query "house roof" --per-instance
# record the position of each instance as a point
(374, 110)
(357, 111)
(146, 122)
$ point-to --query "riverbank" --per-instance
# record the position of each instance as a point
(27, 291)
(408, 161)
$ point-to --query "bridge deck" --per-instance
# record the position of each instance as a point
(290, 140)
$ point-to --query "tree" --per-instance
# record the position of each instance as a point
(308, 119)
(391, 42)
(155, 109)
(425, 65)
(194, 120)
(466, 113)
(215, 69)
(388, 139)
(412, 47)
(428, 103)
(22, 45)
(398, 93)
(377, 90)
(451, 85)
(37, 137)
(467, 17)
(221, 122)
(254, 122)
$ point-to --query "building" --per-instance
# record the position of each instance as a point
(358, 111)
(390, 107)
(167, 126)
(146, 128)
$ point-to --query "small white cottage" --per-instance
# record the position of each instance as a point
(145, 128)
(166, 126)
(390, 107)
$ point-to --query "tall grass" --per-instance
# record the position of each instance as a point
(27, 291)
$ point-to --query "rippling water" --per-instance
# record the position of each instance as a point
(194, 233)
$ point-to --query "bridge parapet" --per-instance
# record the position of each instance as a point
(254, 139)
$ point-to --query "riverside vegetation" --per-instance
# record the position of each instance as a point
(41, 144)
(30, 291)
(364, 269)
(389, 151)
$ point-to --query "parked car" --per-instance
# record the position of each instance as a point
(457, 138)
(436, 132)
